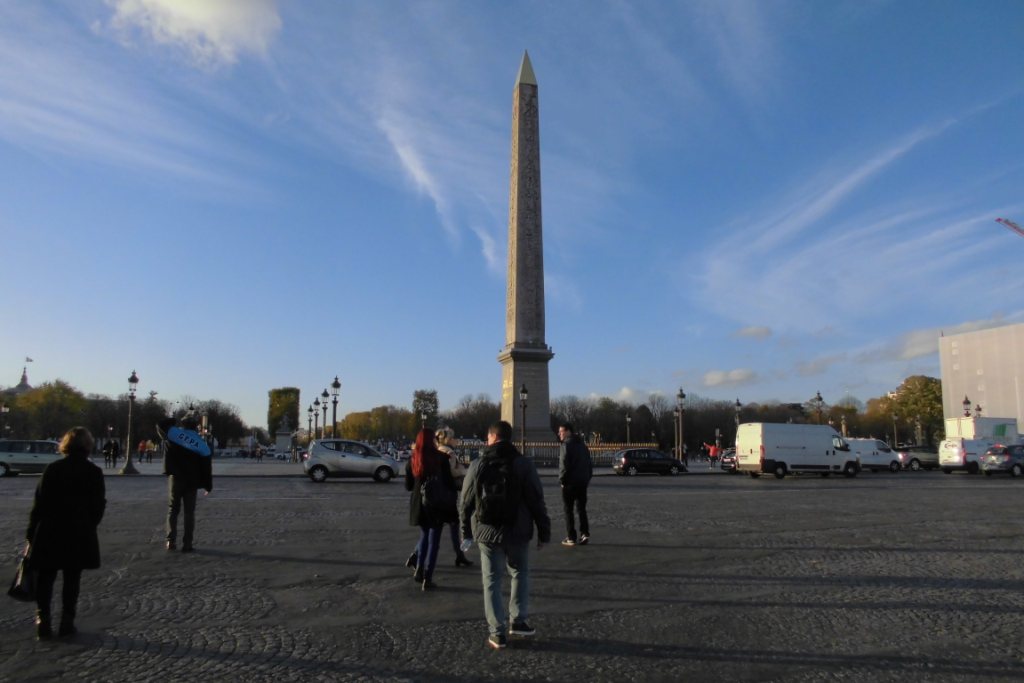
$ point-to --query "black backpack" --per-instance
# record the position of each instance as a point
(497, 492)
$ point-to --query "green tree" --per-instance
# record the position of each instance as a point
(424, 402)
(472, 416)
(283, 408)
(51, 409)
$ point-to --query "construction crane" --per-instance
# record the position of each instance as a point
(1010, 225)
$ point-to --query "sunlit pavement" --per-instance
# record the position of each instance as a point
(913, 576)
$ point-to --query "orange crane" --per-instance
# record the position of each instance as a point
(1010, 225)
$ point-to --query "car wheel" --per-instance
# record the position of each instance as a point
(850, 470)
(779, 471)
(894, 466)
(915, 465)
(632, 470)
(946, 470)
(825, 474)
(674, 470)
(318, 474)
(383, 474)
(1015, 471)
(5, 471)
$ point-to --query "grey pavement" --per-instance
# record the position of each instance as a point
(906, 577)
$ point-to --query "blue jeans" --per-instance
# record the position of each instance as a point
(494, 558)
(426, 550)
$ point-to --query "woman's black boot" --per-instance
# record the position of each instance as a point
(44, 630)
(411, 562)
(67, 624)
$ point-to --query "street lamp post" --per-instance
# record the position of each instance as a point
(819, 403)
(523, 395)
(129, 468)
(967, 406)
(629, 419)
(324, 396)
(977, 411)
(895, 436)
(681, 411)
(918, 436)
(4, 409)
(423, 419)
(738, 407)
(335, 390)
(675, 433)
(316, 417)
(309, 422)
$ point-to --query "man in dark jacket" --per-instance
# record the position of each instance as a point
(505, 544)
(188, 469)
(574, 472)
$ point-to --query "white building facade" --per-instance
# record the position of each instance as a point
(987, 367)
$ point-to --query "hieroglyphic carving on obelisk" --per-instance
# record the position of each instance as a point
(524, 360)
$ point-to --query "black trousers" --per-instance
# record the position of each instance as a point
(180, 494)
(69, 595)
(575, 495)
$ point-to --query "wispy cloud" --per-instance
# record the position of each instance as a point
(754, 332)
(819, 365)
(729, 378)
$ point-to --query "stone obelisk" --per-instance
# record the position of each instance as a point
(524, 359)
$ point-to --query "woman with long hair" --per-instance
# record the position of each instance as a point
(427, 463)
(69, 503)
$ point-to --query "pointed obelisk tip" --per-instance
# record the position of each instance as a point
(526, 71)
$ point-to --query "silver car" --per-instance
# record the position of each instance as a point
(26, 456)
(344, 458)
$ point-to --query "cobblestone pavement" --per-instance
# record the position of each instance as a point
(913, 576)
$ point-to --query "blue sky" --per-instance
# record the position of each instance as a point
(753, 200)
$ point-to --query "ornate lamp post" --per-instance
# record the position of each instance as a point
(681, 412)
(895, 438)
(523, 395)
(309, 422)
(818, 402)
(4, 409)
(423, 419)
(918, 436)
(738, 407)
(967, 406)
(316, 418)
(629, 419)
(675, 433)
(324, 396)
(129, 468)
(335, 390)
(977, 410)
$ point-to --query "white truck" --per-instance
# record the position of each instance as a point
(875, 455)
(781, 449)
(967, 439)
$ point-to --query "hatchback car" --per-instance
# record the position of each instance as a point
(26, 456)
(919, 457)
(637, 460)
(728, 460)
(343, 458)
(1003, 459)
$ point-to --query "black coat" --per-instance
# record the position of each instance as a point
(182, 464)
(69, 504)
(419, 514)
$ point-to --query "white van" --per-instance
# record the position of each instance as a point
(875, 455)
(781, 449)
(958, 453)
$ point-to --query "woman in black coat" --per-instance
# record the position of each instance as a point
(428, 463)
(69, 503)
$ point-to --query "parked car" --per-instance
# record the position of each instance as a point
(18, 456)
(633, 461)
(728, 460)
(919, 457)
(1001, 458)
(344, 458)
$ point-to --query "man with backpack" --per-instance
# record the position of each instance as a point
(502, 500)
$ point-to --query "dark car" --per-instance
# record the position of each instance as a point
(918, 457)
(634, 461)
(728, 460)
(1003, 459)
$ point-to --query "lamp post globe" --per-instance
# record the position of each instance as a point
(335, 390)
(129, 468)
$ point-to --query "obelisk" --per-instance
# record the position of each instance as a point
(524, 360)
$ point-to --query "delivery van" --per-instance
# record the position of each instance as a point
(875, 455)
(959, 454)
(781, 449)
